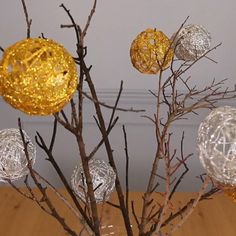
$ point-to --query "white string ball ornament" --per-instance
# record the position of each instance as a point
(191, 42)
(13, 161)
(217, 144)
(103, 179)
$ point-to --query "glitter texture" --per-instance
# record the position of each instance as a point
(150, 50)
(38, 76)
(191, 42)
(217, 144)
(228, 190)
(103, 178)
(13, 162)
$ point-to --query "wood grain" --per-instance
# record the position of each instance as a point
(21, 217)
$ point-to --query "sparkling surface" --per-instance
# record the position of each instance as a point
(231, 193)
(38, 76)
(13, 162)
(149, 50)
(228, 190)
(191, 42)
(217, 144)
(1, 79)
(103, 178)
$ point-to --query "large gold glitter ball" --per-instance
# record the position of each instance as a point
(38, 76)
(1, 78)
(151, 51)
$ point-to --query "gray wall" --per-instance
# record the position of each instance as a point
(115, 25)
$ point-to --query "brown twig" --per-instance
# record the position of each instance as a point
(131, 109)
(28, 21)
(194, 204)
(42, 190)
(66, 202)
(96, 148)
(89, 18)
(41, 143)
(79, 137)
(126, 170)
(74, 25)
(180, 212)
(108, 149)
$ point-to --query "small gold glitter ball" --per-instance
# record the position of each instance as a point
(38, 76)
(151, 51)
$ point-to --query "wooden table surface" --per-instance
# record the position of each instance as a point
(21, 217)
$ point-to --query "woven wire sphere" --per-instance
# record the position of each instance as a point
(150, 51)
(103, 179)
(38, 76)
(217, 144)
(191, 42)
(13, 161)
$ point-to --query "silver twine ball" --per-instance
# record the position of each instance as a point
(191, 42)
(103, 179)
(13, 161)
(217, 144)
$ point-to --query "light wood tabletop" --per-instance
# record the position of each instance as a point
(21, 217)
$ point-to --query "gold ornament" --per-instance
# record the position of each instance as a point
(231, 193)
(1, 78)
(228, 190)
(38, 76)
(151, 51)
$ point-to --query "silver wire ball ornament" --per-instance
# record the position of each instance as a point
(13, 161)
(103, 179)
(217, 144)
(191, 42)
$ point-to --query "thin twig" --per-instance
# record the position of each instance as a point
(75, 26)
(41, 143)
(42, 190)
(28, 21)
(200, 193)
(131, 109)
(134, 214)
(126, 170)
(89, 18)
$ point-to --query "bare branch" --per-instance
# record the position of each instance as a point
(42, 190)
(89, 18)
(112, 107)
(76, 27)
(194, 204)
(126, 170)
(28, 21)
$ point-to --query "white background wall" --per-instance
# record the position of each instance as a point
(115, 25)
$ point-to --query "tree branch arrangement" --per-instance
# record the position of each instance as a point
(155, 216)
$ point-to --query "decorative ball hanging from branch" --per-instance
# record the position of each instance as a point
(151, 51)
(103, 179)
(191, 42)
(13, 161)
(217, 144)
(38, 76)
